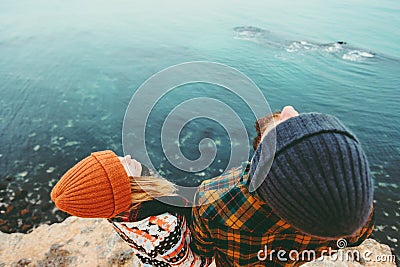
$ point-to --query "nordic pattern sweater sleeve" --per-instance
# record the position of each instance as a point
(161, 240)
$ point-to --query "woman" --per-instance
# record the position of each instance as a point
(106, 186)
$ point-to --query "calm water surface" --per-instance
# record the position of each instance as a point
(69, 69)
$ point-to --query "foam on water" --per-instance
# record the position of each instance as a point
(302, 45)
(334, 48)
(264, 37)
(357, 55)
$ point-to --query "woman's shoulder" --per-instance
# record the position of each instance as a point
(163, 219)
(144, 210)
(152, 227)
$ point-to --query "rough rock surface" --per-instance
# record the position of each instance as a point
(369, 253)
(93, 242)
(74, 242)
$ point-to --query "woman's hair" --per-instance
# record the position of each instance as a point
(145, 188)
(261, 125)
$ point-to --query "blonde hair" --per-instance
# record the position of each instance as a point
(145, 188)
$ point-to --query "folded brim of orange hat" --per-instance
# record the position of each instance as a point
(96, 187)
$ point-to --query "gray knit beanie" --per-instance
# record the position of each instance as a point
(319, 181)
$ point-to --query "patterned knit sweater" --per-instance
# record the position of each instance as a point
(161, 239)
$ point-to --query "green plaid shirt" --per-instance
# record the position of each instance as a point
(236, 228)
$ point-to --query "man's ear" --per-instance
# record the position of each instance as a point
(263, 123)
(257, 139)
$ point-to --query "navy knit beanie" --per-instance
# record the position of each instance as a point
(319, 181)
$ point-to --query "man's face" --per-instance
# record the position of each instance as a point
(267, 123)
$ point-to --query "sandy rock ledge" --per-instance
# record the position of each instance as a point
(93, 242)
(369, 254)
(74, 242)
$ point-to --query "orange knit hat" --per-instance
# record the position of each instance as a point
(96, 187)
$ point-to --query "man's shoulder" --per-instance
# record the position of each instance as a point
(211, 192)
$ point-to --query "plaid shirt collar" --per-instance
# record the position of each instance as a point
(233, 205)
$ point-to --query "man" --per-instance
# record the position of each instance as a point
(318, 191)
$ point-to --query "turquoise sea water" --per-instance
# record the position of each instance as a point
(69, 69)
